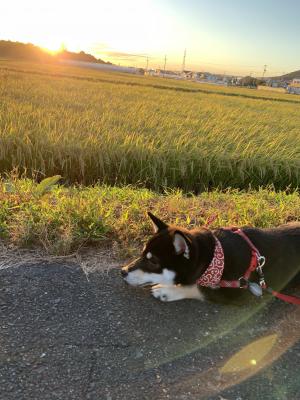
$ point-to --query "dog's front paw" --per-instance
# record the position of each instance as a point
(165, 293)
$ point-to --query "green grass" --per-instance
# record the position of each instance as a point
(63, 219)
(91, 126)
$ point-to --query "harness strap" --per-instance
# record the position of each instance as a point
(257, 261)
(244, 236)
(255, 256)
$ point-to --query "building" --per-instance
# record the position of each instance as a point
(273, 83)
(150, 72)
(197, 76)
(294, 87)
(296, 81)
(167, 74)
(187, 74)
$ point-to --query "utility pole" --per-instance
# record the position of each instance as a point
(183, 61)
(265, 70)
(165, 65)
(147, 63)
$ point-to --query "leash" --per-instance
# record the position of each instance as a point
(284, 297)
(212, 276)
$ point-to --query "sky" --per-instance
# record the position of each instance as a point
(222, 36)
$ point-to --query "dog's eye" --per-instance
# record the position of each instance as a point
(152, 261)
(151, 258)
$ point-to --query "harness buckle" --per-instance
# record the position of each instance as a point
(262, 283)
(261, 260)
(244, 283)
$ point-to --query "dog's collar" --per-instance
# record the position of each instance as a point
(213, 274)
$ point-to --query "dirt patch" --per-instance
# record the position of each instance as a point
(89, 259)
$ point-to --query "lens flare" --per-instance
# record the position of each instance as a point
(250, 356)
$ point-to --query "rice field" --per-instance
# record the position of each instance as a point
(93, 126)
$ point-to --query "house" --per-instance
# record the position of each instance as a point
(294, 87)
(211, 78)
(167, 74)
(187, 74)
(272, 83)
(149, 72)
(197, 76)
(296, 81)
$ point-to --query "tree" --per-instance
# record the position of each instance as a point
(249, 81)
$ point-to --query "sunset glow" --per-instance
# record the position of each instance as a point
(219, 36)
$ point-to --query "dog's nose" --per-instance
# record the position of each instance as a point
(124, 273)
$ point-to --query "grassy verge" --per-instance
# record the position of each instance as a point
(61, 220)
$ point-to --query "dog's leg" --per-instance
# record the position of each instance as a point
(176, 292)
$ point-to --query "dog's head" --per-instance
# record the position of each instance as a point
(166, 258)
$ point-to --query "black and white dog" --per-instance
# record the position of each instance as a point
(175, 260)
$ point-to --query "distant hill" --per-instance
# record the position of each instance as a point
(30, 52)
(23, 51)
(288, 77)
(82, 56)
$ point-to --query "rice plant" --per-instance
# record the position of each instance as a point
(102, 127)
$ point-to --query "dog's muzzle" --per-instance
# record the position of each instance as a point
(130, 267)
(134, 274)
(124, 273)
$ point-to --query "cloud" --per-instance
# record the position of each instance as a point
(120, 54)
(123, 56)
(104, 49)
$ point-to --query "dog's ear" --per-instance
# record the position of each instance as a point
(181, 244)
(157, 223)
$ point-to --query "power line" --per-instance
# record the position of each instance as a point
(254, 69)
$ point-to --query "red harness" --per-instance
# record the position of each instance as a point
(212, 277)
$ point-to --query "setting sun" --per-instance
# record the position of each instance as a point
(52, 47)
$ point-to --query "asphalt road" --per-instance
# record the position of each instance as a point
(67, 335)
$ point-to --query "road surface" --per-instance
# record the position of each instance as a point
(72, 334)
